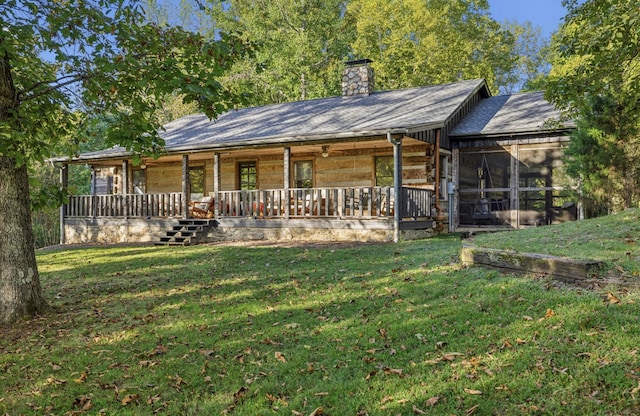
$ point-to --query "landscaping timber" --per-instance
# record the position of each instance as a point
(560, 268)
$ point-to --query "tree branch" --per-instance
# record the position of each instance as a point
(58, 84)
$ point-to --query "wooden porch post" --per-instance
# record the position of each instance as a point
(397, 185)
(64, 184)
(454, 218)
(185, 186)
(286, 176)
(93, 192)
(514, 196)
(216, 185)
(125, 188)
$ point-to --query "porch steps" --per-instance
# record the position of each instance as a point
(186, 233)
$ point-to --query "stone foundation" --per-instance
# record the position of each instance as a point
(120, 230)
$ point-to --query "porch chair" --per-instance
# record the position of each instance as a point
(203, 208)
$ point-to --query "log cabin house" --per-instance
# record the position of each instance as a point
(365, 166)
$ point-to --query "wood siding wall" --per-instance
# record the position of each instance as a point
(344, 168)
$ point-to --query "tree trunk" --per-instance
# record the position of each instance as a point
(20, 291)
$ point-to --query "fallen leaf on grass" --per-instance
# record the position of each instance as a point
(452, 356)
(397, 371)
(432, 401)
(613, 299)
(158, 350)
(130, 398)
(549, 313)
(418, 411)
(82, 403)
(471, 391)
(280, 357)
(57, 381)
(471, 410)
(82, 378)
(319, 411)
(237, 396)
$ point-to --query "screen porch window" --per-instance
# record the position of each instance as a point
(384, 170)
(248, 176)
(303, 174)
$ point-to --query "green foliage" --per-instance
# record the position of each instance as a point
(369, 329)
(45, 196)
(413, 42)
(102, 57)
(532, 66)
(596, 80)
(300, 47)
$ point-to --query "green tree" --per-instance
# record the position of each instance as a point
(531, 49)
(595, 80)
(64, 62)
(417, 42)
(301, 46)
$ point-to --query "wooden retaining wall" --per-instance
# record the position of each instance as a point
(560, 268)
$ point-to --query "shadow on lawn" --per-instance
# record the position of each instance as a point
(363, 329)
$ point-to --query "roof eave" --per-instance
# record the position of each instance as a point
(509, 133)
(261, 143)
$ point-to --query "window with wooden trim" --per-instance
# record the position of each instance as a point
(196, 182)
(303, 174)
(384, 170)
(247, 176)
(139, 181)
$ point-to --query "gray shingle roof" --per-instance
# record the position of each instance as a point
(508, 114)
(405, 110)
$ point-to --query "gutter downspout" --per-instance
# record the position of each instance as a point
(440, 217)
(397, 184)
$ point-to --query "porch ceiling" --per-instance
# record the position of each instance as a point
(335, 149)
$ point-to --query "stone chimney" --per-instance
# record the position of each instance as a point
(357, 78)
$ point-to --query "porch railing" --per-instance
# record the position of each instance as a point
(130, 205)
(350, 202)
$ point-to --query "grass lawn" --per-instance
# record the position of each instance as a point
(389, 329)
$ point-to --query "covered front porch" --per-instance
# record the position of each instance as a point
(372, 213)
(378, 189)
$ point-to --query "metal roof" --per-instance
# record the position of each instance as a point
(510, 114)
(398, 111)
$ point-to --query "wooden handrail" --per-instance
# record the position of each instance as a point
(338, 202)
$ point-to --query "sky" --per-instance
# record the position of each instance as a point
(547, 14)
